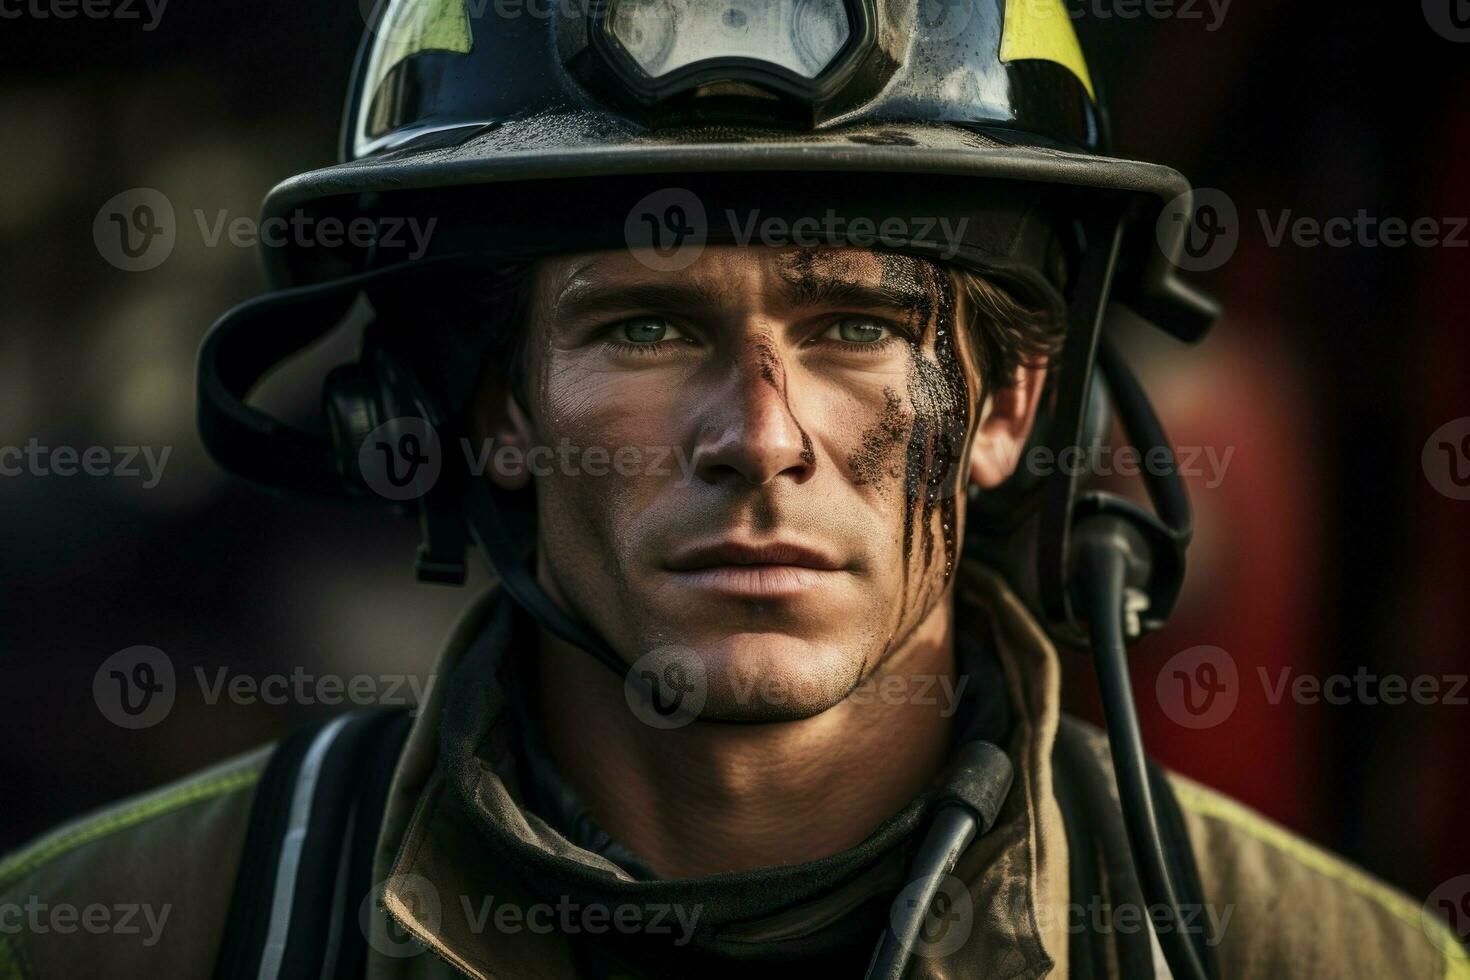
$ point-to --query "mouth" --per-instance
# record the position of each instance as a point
(755, 570)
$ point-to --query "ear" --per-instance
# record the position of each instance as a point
(1005, 423)
(500, 423)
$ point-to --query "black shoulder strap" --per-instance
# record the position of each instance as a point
(306, 867)
(1100, 867)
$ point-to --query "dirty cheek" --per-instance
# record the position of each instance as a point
(939, 398)
(878, 461)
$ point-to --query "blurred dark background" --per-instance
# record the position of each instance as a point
(1324, 547)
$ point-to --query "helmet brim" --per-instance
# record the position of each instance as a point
(580, 145)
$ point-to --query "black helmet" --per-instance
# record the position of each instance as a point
(520, 128)
(511, 93)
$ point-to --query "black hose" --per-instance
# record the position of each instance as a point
(1102, 571)
(973, 790)
(953, 828)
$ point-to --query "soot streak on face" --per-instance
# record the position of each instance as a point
(773, 374)
(872, 464)
(940, 398)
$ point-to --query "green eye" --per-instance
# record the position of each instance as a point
(861, 330)
(648, 330)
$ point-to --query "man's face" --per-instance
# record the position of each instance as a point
(786, 437)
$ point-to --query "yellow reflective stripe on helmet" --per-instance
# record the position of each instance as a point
(1041, 30)
(409, 27)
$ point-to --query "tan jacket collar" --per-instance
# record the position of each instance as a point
(438, 875)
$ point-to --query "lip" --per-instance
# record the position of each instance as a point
(719, 554)
(767, 570)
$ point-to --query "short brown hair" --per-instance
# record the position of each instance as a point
(1007, 333)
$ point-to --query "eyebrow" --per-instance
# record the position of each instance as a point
(815, 290)
(806, 291)
(587, 300)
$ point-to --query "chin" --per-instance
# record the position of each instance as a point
(755, 676)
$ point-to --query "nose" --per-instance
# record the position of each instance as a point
(751, 433)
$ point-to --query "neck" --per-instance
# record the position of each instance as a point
(712, 797)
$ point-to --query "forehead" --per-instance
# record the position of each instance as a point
(731, 274)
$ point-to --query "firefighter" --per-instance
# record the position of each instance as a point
(727, 348)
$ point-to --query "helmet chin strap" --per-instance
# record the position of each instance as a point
(512, 564)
